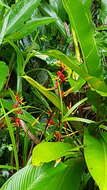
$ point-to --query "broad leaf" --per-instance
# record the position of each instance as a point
(20, 13)
(30, 26)
(85, 35)
(4, 72)
(47, 177)
(48, 151)
(96, 157)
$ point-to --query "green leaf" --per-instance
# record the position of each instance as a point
(47, 9)
(30, 26)
(97, 84)
(20, 13)
(7, 167)
(48, 151)
(78, 119)
(85, 35)
(51, 96)
(62, 177)
(4, 72)
(4, 27)
(74, 107)
(71, 63)
(96, 157)
(76, 84)
(11, 133)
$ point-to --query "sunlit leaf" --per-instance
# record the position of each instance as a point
(48, 151)
(96, 157)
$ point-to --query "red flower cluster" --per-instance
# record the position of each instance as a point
(61, 76)
(19, 111)
(19, 99)
(50, 122)
(19, 102)
(17, 121)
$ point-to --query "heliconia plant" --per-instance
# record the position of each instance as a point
(69, 151)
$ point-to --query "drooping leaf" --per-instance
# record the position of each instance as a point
(49, 95)
(4, 72)
(48, 151)
(30, 26)
(71, 63)
(96, 157)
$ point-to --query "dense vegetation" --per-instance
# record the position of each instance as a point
(53, 89)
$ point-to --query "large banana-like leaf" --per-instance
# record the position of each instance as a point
(20, 13)
(85, 34)
(96, 157)
(49, 95)
(47, 177)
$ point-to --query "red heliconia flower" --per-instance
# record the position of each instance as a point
(19, 111)
(19, 99)
(61, 76)
(15, 105)
(56, 84)
(17, 121)
(58, 136)
(51, 122)
(62, 94)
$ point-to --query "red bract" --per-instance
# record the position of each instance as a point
(56, 84)
(19, 111)
(58, 136)
(15, 105)
(51, 122)
(19, 99)
(17, 121)
(61, 76)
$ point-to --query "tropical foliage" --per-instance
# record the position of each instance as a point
(53, 95)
